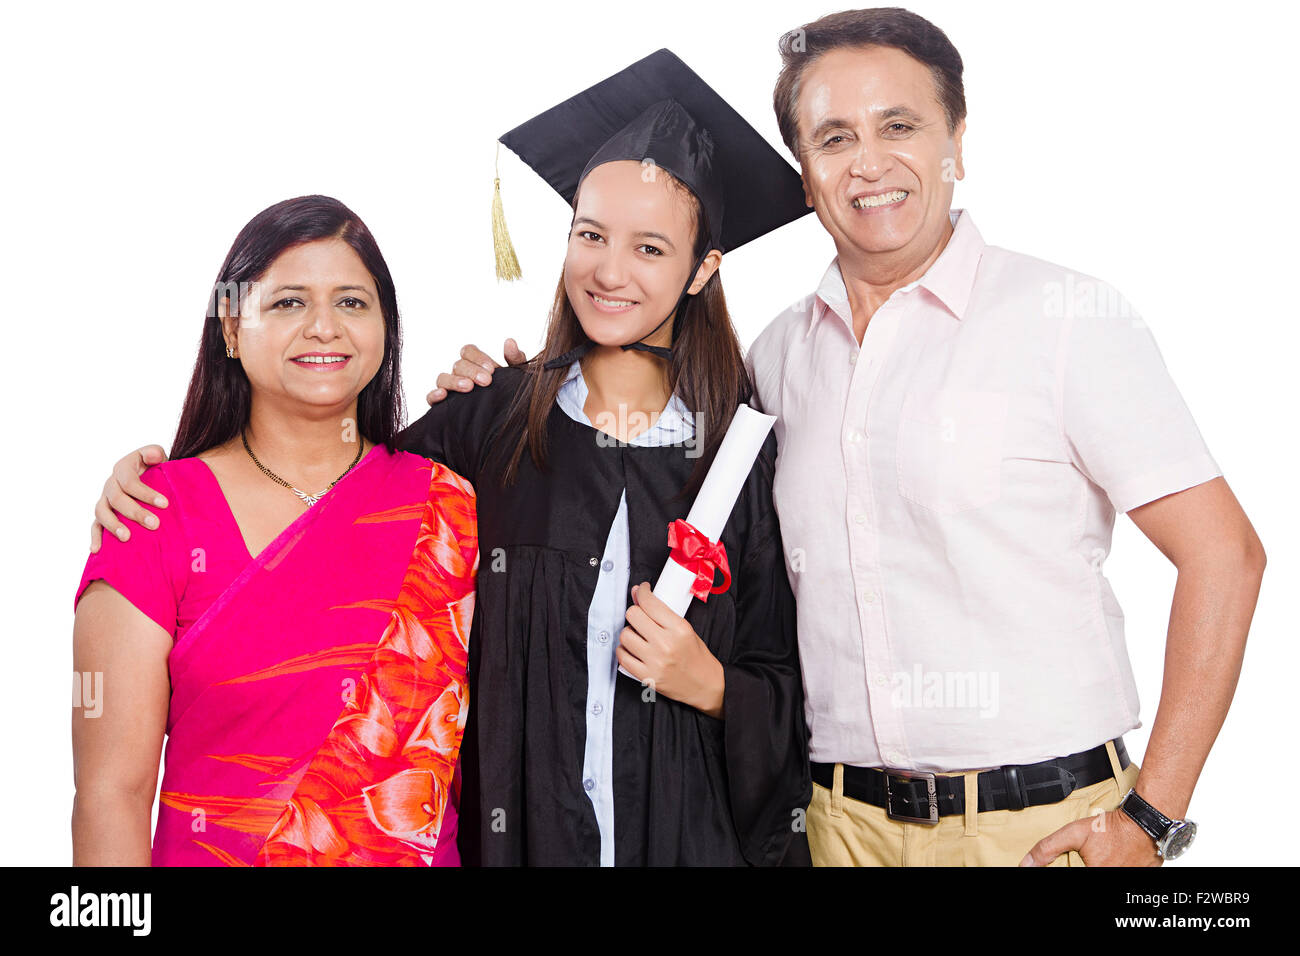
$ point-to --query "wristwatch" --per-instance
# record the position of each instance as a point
(1172, 836)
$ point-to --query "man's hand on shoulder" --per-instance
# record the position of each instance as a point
(473, 367)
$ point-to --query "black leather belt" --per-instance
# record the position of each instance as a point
(920, 797)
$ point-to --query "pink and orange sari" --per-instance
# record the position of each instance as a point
(318, 704)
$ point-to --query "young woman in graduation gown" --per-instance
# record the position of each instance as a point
(709, 749)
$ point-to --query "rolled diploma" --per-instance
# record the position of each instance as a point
(717, 496)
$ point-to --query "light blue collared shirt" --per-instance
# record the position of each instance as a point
(608, 612)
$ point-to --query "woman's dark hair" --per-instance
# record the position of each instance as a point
(876, 26)
(219, 398)
(707, 371)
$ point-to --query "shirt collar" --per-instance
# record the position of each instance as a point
(673, 426)
(575, 371)
(950, 278)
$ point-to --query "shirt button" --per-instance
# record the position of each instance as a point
(895, 758)
(860, 519)
(593, 561)
(604, 637)
(853, 359)
(880, 678)
(607, 566)
(855, 436)
(869, 596)
(597, 708)
(589, 785)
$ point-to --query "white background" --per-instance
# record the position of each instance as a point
(1150, 144)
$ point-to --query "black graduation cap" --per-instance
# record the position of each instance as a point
(658, 109)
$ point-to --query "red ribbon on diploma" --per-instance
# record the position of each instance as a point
(697, 554)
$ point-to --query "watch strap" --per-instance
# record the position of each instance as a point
(1155, 823)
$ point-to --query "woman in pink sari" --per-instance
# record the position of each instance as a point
(297, 629)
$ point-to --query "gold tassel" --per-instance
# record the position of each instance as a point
(507, 261)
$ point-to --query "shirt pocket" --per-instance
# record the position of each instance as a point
(950, 445)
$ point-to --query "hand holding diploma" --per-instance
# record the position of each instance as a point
(661, 650)
(659, 646)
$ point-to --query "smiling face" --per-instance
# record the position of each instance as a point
(879, 164)
(316, 333)
(630, 250)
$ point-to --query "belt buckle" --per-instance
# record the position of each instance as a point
(931, 792)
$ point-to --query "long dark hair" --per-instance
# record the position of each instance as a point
(219, 398)
(707, 370)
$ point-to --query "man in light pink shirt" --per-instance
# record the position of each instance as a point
(958, 426)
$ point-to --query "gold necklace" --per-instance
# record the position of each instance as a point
(309, 499)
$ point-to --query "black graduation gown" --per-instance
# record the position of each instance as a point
(689, 789)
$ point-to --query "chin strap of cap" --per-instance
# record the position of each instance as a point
(568, 357)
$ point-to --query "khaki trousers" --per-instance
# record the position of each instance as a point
(847, 832)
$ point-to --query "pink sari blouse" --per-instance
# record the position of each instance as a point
(318, 690)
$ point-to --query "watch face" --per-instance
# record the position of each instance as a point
(1178, 839)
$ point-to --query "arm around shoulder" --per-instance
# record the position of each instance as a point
(459, 430)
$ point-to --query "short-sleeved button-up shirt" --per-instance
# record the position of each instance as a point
(946, 494)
